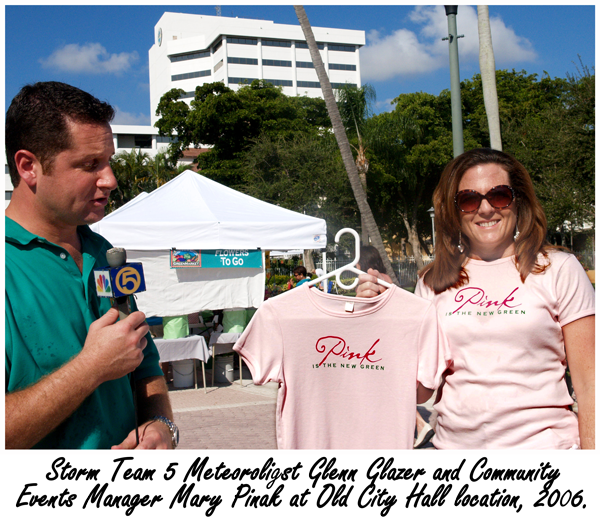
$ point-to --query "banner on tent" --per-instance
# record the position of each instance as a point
(216, 258)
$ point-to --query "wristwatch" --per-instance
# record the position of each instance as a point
(172, 427)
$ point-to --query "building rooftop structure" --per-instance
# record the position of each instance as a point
(191, 50)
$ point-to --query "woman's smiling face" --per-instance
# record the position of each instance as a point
(490, 230)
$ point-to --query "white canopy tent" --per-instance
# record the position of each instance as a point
(192, 212)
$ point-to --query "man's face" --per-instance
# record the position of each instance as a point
(76, 188)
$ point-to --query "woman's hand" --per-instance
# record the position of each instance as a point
(367, 284)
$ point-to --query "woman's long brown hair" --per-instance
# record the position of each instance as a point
(447, 271)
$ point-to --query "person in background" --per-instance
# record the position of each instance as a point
(300, 275)
(371, 259)
(67, 358)
(515, 311)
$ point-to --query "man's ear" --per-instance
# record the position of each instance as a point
(28, 166)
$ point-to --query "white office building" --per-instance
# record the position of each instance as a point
(190, 50)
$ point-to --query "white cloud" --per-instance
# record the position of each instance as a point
(397, 54)
(406, 53)
(385, 105)
(130, 119)
(91, 58)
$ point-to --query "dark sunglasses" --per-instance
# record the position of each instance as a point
(469, 201)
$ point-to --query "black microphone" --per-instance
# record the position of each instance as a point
(118, 281)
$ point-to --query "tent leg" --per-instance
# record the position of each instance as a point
(203, 376)
(241, 372)
(212, 384)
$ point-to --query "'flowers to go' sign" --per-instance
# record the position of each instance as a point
(216, 258)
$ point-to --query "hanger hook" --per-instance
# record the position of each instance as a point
(354, 261)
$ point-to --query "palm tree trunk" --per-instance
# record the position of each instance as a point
(307, 259)
(487, 66)
(342, 140)
(362, 166)
(413, 238)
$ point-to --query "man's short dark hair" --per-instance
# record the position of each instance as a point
(37, 121)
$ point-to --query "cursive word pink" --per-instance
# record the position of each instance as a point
(333, 345)
(476, 296)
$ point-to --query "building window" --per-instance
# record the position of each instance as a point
(7, 195)
(279, 82)
(305, 64)
(243, 41)
(276, 62)
(335, 66)
(191, 55)
(188, 95)
(218, 65)
(242, 61)
(303, 44)
(191, 75)
(143, 141)
(165, 139)
(242, 80)
(308, 84)
(337, 86)
(217, 46)
(276, 43)
(342, 48)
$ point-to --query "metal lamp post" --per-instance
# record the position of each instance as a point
(457, 128)
(431, 213)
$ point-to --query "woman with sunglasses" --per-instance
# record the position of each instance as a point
(515, 310)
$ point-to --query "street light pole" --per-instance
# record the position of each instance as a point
(431, 213)
(457, 128)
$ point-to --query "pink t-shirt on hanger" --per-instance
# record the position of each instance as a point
(347, 367)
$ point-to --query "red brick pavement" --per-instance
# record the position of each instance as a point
(227, 417)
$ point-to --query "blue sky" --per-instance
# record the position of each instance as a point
(103, 49)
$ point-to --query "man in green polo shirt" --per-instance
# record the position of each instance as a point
(67, 357)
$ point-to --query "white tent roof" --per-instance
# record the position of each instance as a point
(193, 212)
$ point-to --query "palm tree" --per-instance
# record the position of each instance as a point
(487, 66)
(138, 172)
(355, 109)
(132, 171)
(342, 140)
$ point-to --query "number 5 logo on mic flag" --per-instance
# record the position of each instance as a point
(120, 281)
(128, 280)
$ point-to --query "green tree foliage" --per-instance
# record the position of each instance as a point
(303, 173)
(230, 121)
(413, 145)
(519, 95)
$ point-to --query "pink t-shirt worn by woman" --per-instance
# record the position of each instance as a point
(507, 386)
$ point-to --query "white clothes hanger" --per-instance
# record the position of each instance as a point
(348, 267)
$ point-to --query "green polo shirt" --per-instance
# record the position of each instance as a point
(49, 307)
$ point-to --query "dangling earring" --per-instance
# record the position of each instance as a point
(517, 232)
(460, 246)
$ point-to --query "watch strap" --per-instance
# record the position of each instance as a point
(172, 428)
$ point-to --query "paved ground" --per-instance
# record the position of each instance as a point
(231, 416)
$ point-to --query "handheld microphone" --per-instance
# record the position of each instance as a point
(117, 281)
